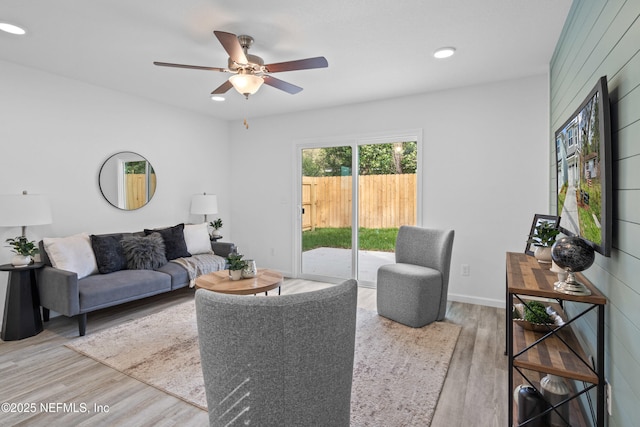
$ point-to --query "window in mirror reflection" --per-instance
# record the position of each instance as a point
(127, 180)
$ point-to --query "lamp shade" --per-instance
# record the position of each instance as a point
(204, 204)
(246, 83)
(18, 210)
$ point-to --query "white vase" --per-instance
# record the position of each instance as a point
(555, 390)
(562, 274)
(235, 274)
(21, 260)
(543, 254)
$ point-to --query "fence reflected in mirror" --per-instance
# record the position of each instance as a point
(127, 180)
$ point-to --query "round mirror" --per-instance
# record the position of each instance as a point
(127, 180)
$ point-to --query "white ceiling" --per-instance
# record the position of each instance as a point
(375, 48)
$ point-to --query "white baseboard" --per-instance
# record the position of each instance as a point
(490, 302)
(477, 300)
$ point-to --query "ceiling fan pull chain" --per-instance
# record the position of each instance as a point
(246, 108)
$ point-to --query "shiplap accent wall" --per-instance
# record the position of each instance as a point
(603, 38)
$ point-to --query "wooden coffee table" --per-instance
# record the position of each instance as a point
(219, 281)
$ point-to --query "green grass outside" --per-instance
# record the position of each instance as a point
(561, 198)
(586, 213)
(370, 239)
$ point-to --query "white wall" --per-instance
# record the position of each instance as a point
(484, 158)
(483, 147)
(56, 133)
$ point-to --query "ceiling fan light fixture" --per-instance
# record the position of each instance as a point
(444, 52)
(246, 84)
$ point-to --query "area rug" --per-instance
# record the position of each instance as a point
(398, 371)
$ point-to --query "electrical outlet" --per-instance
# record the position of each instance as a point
(609, 397)
(465, 270)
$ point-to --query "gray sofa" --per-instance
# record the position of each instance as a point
(63, 292)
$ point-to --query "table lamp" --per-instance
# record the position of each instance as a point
(204, 204)
(21, 210)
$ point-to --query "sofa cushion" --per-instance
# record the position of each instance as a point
(196, 236)
(109, 253)
(175, 246)
(144, 252)
(73, 253)
(105, 290)
(179, 275)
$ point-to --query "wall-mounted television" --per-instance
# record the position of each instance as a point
(583, 165)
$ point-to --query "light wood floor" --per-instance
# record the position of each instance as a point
(39, 375)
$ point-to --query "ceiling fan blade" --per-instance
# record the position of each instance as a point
(231, 44)
(223, 88)
(192, 67)
(282, 85)
(300, 64)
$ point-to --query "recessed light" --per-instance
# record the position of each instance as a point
(12, 29)
(444, 52)
(217, 98)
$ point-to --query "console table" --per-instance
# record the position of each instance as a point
(22, 304)
(557, 351)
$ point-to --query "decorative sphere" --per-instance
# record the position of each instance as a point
(573, 254)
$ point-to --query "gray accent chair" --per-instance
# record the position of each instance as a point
(278, 360)
(413, 291)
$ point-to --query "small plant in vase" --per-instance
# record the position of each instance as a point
(217, 225)
(24, 250)
(543, 238)
(236, 264)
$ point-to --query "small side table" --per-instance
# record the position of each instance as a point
(215, 238)
(22, 304)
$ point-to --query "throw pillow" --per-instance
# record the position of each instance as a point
(73, 253)
(144, 252)
(175, 246)
(109, 253)
(196, 236)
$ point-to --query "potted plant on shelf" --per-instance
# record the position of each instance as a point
(543, 238)
(24, 250)
(217, 225)
(236, 264)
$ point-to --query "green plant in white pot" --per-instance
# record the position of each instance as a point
(235, 265)
(24, 250)
(543, 238)
(217, 225)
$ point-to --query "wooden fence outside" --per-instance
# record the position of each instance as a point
(385, 201)
(136, 189)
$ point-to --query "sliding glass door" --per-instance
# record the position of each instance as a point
(387, 194)
(327, 212)
(352, 199)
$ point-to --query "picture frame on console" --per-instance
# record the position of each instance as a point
(537, 220)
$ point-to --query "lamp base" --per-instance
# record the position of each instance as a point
(571, 286)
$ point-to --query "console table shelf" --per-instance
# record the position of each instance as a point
(553, 357)
(556, 351)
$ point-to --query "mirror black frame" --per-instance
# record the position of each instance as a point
(114, 168)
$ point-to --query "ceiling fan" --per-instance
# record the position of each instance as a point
(249, 71)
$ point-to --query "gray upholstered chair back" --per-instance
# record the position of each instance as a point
(429, 248)
(278, 360)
